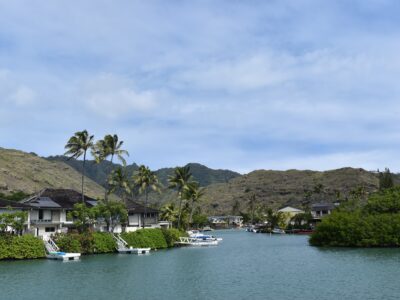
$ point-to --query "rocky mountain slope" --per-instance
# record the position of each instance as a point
(280, 188)
(26, 172)
(226, 191)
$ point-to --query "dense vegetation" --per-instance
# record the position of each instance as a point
(103, 242)
(152, 238)
(20, 247)
(375, 224)
(99, 171)
(86, 243)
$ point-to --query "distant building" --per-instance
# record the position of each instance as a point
(290, 212)
(226, 221)
(319, 210)
(136, 217)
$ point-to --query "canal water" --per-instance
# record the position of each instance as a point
(244, 266)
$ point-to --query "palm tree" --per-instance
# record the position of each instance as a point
(145, 180)
(168, 213)
(193, 193)
(179, 181)
(109, 147)
(252, 204)
(77, 146)
(118, 180)
(275, 218)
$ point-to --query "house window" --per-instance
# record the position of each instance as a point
(49, 229)
(40, 214)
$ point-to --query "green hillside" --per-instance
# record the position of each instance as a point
(28, 173)
(99, 172)
(295, 188)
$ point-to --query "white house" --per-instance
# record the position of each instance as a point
(48, 213)
(290, 212)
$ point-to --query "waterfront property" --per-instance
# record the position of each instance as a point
(289, 212)
(49, 210)
(48, 213)
(226, 221)
(320, 210)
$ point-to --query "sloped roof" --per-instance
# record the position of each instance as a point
(290, 209)
(13, 204)
(58, 198)
(322, 206)
(135, 207)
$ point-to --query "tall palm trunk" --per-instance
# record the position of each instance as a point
(145, 208)
(180, 210)
(191, 211)
(107, 185)
(83, 175)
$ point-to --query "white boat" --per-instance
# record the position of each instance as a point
(190, 241)
(278, 231)
(201, 236)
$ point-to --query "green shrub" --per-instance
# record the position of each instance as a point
(86, 243)
(172, 235)
(21, 247)
(68, 242)
(146, 238)
(103, 243)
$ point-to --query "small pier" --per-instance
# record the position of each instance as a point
(53, 251)
(123, 247)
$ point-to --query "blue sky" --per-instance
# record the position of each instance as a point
(240, 85)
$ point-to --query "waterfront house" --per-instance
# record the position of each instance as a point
(136, 217)
(49, 210)
(289, 212)
(320, 210)
(48, 213)
(226, 221)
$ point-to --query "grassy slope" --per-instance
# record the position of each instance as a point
(279, 188)
(20, 171)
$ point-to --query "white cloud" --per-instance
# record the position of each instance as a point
(113, 97)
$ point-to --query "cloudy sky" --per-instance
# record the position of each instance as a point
(240, 85)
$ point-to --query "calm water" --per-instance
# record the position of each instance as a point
(244, 266)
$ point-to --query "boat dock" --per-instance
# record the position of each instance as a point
(53, 251)
(123, 247)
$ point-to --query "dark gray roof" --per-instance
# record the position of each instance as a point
(322, 206)
(13, 204)
(134, 207)
(58, 198)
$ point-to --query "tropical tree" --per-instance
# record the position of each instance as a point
(385, 180)
(113, 213)
(77, 146)
(118, 180)
(275, 219)
(252, 205)
(14, 220)
(83, 216)
(146, 180)
(109, 146)
(179, 181)
(169, 213)
(193, 193)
